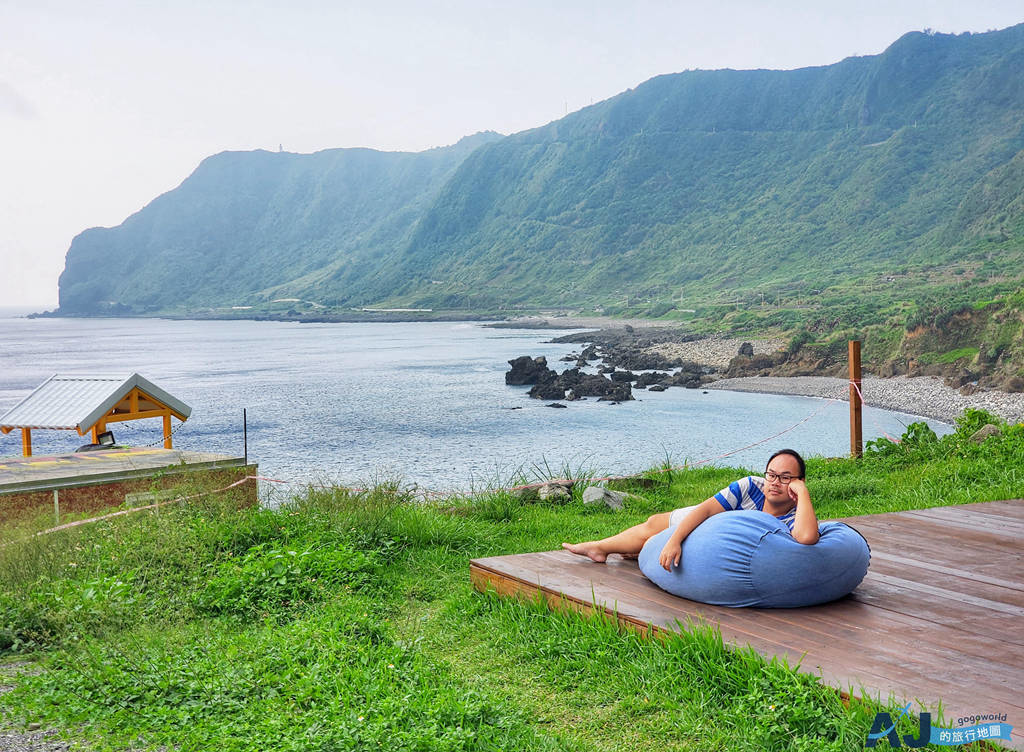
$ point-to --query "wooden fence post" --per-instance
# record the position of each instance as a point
(856, 404)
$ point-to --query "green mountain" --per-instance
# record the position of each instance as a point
(872, 178)
(252, 226)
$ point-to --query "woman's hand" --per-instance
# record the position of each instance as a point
(670, 555)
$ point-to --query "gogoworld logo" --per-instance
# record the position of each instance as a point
(884, 727)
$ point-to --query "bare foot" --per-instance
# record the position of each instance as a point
(588, 549)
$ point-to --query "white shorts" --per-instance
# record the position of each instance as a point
(677, 515)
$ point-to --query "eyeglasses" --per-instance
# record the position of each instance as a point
(781, 478)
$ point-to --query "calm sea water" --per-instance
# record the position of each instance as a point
(422, 403)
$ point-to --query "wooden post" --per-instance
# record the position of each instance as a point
(856, 425)
(26, 442)
(167, 431)
(56, 507)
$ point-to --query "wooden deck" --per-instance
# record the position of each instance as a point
(21, 474)
(85, 482)
(939, 617)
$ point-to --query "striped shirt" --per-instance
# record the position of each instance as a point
(748, 493)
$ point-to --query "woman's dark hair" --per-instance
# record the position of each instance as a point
(792, 453)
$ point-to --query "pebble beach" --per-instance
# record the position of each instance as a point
(927, 396)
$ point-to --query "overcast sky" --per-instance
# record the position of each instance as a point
(105, 104)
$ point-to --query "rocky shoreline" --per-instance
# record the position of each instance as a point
(926, 396)
(645, 357)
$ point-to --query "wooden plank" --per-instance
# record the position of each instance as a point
(964, 528)
(937, 618)
(970, 520)
(957, 590)
(919, 542)
(877, 556)
(1013, 508)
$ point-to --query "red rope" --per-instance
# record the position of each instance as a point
(878, 427)
(428, 492)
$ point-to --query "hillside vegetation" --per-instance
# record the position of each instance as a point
(861, 190)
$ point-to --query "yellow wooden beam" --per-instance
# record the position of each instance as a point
(121, 417)
(26, 441)
(167, 430)
(154, 400)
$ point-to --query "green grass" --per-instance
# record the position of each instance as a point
(344, 621)
(948, 357)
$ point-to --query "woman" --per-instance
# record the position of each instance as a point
(781, 493)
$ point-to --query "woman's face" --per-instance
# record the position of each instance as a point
(777, 475)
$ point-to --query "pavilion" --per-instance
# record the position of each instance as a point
(89, 403)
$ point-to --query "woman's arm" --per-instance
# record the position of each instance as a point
(673, 550)
(805, 525)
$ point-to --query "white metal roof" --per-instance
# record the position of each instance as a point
(78, 401)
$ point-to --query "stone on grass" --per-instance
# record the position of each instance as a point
(556, 490)
(598, 495)
(984, 432)
(526, 495)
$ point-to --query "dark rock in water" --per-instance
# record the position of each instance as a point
(606, 369)
(517, 407)
(622, 376)
(747, 350)
(556, 404)
(644, 380)
(582, 385)
(527, 370)
(547, 390)
(631, 358)
(657, 388)
(571, 383)
(589, 353)
(688, 376)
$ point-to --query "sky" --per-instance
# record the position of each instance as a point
(106, 104)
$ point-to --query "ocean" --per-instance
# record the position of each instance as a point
(416, 403)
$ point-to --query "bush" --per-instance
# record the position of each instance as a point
(799, 339)
(971, 421)
(920, 444)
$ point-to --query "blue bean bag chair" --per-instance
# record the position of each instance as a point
(749, 558)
